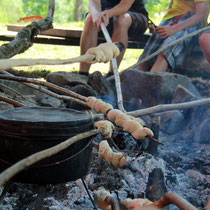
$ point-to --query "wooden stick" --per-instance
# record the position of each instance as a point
(9, 63)
(22, 164)
(152, 139)
(95, 145)
(169, 107)
(46, 84)
(11, 101)
(17, 93)
(116, 75)
(172, 198)
(168, 46)
(48, 92)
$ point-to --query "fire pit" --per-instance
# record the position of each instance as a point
(25, 131)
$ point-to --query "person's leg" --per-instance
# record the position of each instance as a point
(143, 67)
(88, 39)
(160, 65)
(204, 41)
(120, 33)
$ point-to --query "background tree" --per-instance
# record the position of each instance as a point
(65, 10)
(78, 10)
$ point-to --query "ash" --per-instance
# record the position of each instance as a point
(180, 166)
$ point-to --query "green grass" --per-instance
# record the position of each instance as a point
(65, 52)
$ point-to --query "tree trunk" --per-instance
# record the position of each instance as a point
(78, 10)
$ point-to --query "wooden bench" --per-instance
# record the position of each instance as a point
(61, 36)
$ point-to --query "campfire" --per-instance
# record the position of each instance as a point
(158, 170)
(137, 140)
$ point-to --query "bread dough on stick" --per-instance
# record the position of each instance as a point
(104, 52)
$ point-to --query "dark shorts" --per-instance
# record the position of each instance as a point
(137, 28)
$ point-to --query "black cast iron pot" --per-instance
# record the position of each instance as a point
(25, 131)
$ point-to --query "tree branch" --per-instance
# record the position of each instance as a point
(11, 101)
(169, 107)
(76, 97)
(24, 38)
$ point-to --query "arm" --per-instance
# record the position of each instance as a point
(94, 7)
(95, 11)
(198, 17)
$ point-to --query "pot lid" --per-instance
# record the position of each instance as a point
(44, 116)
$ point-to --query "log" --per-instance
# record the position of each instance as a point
(172, 198)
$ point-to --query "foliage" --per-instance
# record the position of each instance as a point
(10, 11)
(156, 9)
(64, 9)
(31, 7)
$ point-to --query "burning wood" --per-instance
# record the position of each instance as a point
(172, 198)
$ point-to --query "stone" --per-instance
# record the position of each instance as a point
(171, 121)
(62, 78)
(201, 134)
(195, 65)
(182, 95)
(84, 91)
(101, 85)
(153, 88)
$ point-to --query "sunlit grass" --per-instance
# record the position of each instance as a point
(66, 52)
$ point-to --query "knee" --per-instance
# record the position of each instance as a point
(122, 22)
(89, 21)
(204, 41)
